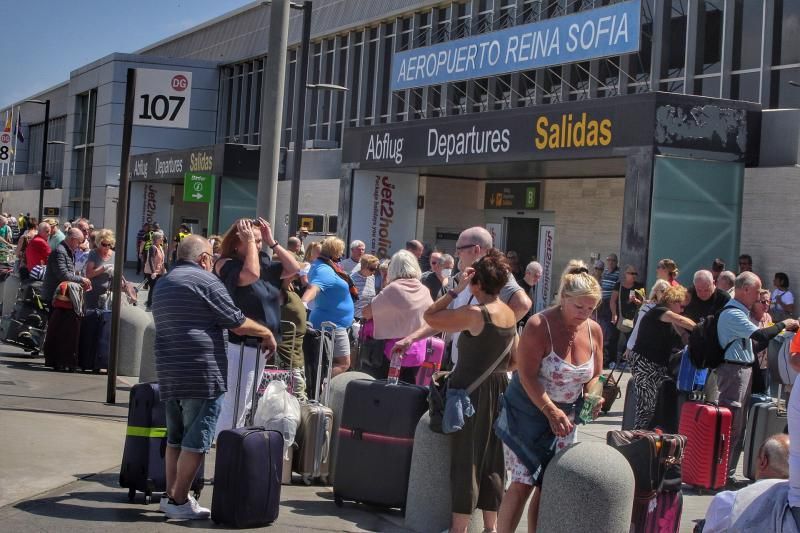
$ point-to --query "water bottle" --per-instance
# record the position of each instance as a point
(394, 368)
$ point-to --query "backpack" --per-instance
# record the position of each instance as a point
(704, 348)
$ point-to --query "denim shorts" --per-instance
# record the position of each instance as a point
(191, 423)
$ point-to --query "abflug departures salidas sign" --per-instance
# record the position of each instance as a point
(603, 32)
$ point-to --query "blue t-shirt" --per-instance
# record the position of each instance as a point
(333, 302)
(735, 327)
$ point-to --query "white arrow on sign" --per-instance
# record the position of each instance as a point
(197, 196)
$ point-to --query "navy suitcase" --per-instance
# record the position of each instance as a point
(143, 467)
(376, 434)
(94, 339)
(248, 470)
(247, 477)
(667, 412)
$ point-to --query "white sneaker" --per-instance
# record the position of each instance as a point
(190, 510)
(162, 504)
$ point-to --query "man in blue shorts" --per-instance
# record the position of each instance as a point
(192, 310)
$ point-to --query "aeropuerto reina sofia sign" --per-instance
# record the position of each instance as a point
(602, 32)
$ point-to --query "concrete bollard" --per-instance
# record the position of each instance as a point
(338, 385)
(428, 500)
(133, 322)
(587, 487)
(147, 366)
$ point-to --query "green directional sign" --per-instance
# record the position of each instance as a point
(197, 187)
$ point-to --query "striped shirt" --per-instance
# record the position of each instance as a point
(192, 309)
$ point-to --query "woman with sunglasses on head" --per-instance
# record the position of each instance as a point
(659, 335)
(254, 282)
(667, 269)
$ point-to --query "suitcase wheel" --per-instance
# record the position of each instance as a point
(338, 501)
(131, 495)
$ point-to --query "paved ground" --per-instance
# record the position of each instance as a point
(61, 446)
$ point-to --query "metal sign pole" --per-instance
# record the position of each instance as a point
(122, 234)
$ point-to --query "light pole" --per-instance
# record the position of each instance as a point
(46, 104)
(299, 138)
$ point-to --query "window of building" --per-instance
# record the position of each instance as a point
(638, 65)
(57, 131)
(675, 29)
(746, 86)
(83, 152)
(709, 86)
(782, 94)
(241, 86)
(747, 23)
(709, 38)
(785, 50)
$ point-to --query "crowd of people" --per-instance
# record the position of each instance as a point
(236, 288)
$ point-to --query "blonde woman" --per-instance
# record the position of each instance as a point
(333, 294)
(100, 269)
(656, 292)
(659, 335)
(154, 264)
(560, 356)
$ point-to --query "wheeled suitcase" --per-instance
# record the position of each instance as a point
(666, 413)
(659, 513)
(611, 388)
(629, 407)
(766, 418)
(707, 428)
(376, 439)
(143, 465)
(94, 343)
(248, 470)
(312, 460)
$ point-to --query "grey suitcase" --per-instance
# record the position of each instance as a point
(764, 420)
(629, 407)
(312, 459)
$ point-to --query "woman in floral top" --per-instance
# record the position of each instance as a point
(761, 318)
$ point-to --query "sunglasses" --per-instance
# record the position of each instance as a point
(632, 273)
(105, 244)
(765, 302)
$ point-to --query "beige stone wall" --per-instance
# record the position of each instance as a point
(770, 218)
(588, 212)
(452, 204)
(588, 217)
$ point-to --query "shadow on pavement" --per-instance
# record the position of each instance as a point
(84, 506)
(71, 413)
(363, 516)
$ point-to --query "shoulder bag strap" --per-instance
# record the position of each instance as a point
(475, 384)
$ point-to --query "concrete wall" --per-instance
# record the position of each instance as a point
(588, 217)
(28, 201)
(451, 205)
(770, 217)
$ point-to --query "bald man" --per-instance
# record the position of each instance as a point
(472, 245)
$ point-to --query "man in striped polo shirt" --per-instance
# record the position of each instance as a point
(192, 309)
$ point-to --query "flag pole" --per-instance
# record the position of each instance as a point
(15, 130)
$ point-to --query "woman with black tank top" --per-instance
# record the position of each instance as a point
(254, 283)
(477, 473)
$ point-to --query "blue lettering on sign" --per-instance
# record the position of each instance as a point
(602, 32)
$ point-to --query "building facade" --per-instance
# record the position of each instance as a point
(731, 51)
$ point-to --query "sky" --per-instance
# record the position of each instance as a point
(46, 39)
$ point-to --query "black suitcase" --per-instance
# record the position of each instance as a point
(143, 466)
(667, 412)
(376, 438)
(248, 470)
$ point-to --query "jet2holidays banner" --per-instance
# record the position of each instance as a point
(602, 32)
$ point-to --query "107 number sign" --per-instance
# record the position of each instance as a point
(160, 106)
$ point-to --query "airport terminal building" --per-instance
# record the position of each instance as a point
(653, 128)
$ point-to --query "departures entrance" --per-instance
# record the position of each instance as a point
(632, 174)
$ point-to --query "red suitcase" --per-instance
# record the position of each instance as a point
(707, 429)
